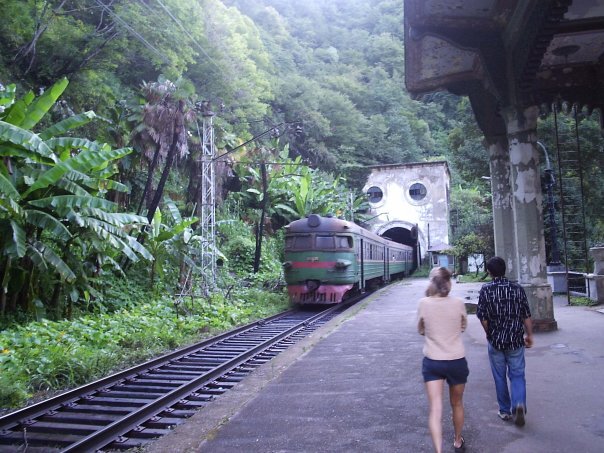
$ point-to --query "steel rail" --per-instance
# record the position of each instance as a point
(58, 401)
(120, 427)
(244, 349)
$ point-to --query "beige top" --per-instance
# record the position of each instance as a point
(442, 320)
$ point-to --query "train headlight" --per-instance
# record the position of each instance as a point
(343, 264)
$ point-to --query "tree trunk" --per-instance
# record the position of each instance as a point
(4, 288)
(260, 228)
(149, 182)
(178, 125)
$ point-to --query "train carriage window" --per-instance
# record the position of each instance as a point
(344, 242)
(325, 242)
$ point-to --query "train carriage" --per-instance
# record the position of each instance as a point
(326, 258)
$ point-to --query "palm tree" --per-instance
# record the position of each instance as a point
(161, 136)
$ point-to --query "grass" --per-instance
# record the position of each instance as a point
(44, 357)
(582, 301)
(472, 278)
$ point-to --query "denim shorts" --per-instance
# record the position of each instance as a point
(453, 371)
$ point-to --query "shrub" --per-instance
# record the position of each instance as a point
(53, 355)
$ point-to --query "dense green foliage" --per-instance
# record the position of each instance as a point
(49, 355)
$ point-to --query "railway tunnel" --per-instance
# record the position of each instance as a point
(409, 204)
(406, 235)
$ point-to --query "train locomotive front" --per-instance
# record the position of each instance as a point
(326, 258)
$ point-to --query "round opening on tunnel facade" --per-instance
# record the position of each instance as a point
(375, 194)
(417, 192)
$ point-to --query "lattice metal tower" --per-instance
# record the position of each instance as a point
(208, 197)
(572, 203)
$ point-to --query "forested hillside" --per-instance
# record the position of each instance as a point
(335, 67)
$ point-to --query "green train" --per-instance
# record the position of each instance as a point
(328, 258)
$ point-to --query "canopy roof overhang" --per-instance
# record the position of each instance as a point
(507, 53)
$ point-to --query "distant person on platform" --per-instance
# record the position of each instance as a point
(505, 315)
(442, 319)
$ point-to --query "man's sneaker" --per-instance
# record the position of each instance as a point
(519, 419)
(504, 416)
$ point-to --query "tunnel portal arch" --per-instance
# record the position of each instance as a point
(405, 233)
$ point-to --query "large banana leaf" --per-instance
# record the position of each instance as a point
(16, 152)
(12, 207)
(49, 223)
(17, 246)
(115, 236)
(64, 146)
(7, 188)
(175, 229)
(67, 124)
(42, 104)
(69, 183)
(50, 257)
(70, 186)
(138, 247)
(25, 139)
(96, 225)
(74, 201)
(173, 209)
(16, 114)
(37, 258)
(83, 162)
(107, 184)
(7, 96)
(116, 218)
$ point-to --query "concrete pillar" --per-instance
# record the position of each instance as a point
(501, 190)
(596, 280)
(527, 207)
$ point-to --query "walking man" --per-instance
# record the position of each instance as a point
(505, 315)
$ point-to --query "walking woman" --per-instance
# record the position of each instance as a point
(442, 319)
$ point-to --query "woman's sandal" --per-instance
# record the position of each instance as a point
(461, 448)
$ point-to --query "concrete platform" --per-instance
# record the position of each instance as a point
(355, 385)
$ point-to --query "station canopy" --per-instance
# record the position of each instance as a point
(507, 53)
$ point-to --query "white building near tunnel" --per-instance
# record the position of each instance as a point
(411, 199)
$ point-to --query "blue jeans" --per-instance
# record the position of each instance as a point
(508, 365)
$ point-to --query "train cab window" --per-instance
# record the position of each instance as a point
(344, 242)
(300, 242)
(325, 242)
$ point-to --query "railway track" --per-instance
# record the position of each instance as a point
(135, 406)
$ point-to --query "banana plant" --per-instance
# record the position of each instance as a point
(53, 210)
(174, 238)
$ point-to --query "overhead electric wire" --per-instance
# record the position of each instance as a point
(188, 34)
(133, 31)
(255, 138)
(153, 11)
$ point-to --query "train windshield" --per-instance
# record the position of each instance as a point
(321, 242)
(333, 242)
(299, 242)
